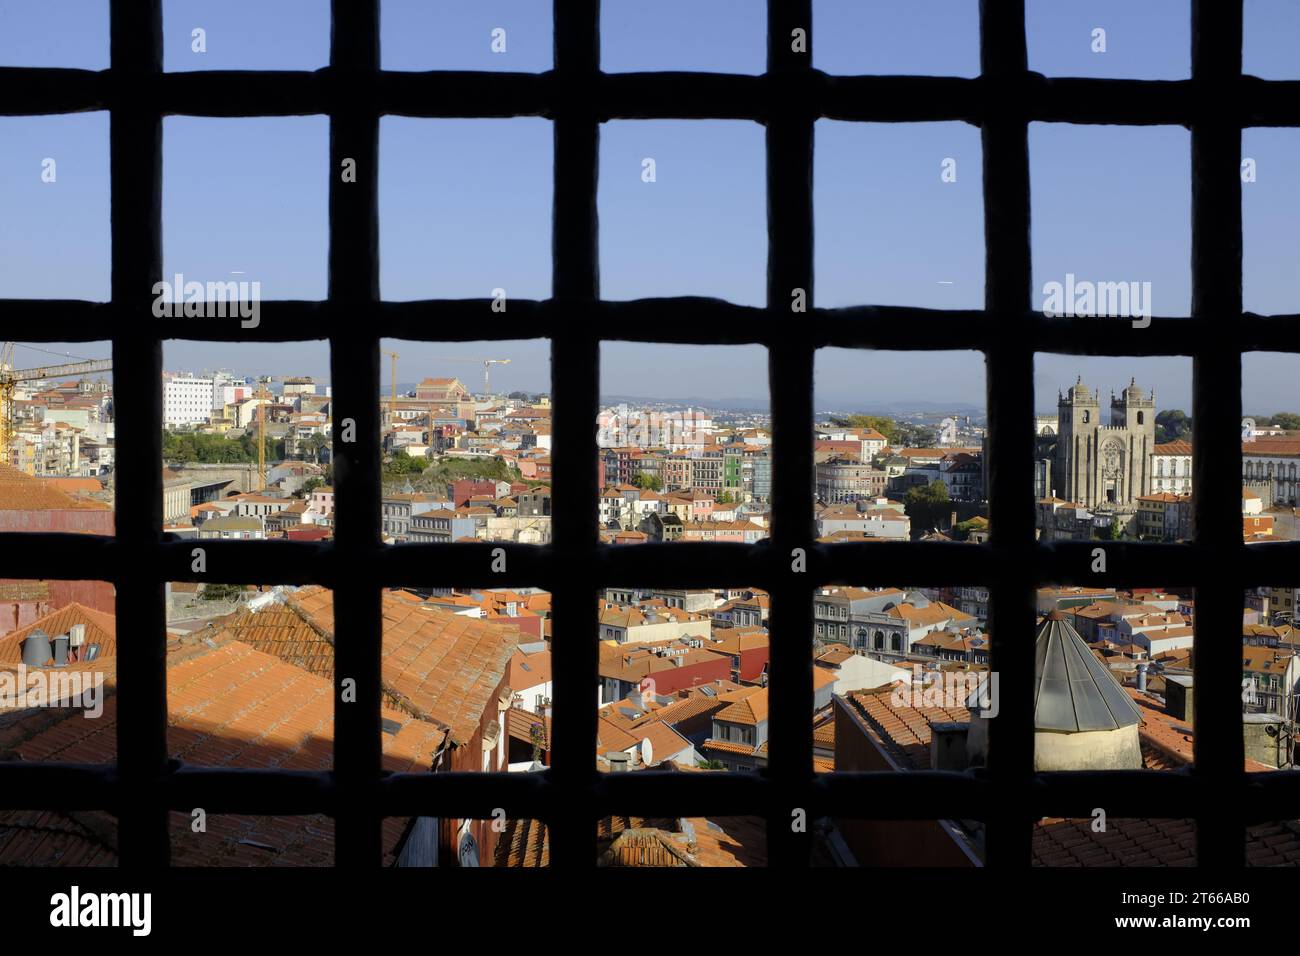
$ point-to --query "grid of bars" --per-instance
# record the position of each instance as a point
(1215, 104)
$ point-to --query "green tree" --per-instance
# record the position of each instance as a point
(648, 481)
(1173, 424)
(724, 498)
(1288, 420)
(404, 464)
(886, 426)
(927, 505)
(1112, 533)
(221, 592)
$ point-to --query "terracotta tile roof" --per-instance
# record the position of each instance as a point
(1125, 842)
(750, 709)
(227, 706)
(934, 613)
(735, 640)
(664, 741)
(903, 731)
(1265, 660)
(537, 671)
(1265, 447)
(101, 629)
(728, 746)
(55, 838)
(609, 736)
(835, 656)
(692, 706)
(824, 734)
(523, 843)
(438, 665)
(21, 492)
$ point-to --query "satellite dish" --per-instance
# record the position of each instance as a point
(647, 751)
(467, 852)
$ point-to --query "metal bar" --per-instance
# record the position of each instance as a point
(789, 287)
(575, 378)
(1216, 423)
(354, 374)
(1216, 103)
(1010, 376)
(135, 157)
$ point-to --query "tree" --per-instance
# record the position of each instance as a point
(310, 485)
(1172, 425)
(915, 436)
(885, 426)
(1288, 420)
(221, 592)
(724, 498)
(648, 481)
(404, 464)
(1112, 533)
(315, 444)
(927, 505)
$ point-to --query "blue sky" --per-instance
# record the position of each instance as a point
(465, 204)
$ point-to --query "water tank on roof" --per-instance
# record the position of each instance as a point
(36, 649)
(60, 654)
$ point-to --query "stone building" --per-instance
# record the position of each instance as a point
(1099, 464)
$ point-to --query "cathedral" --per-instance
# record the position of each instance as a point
(1100, 464)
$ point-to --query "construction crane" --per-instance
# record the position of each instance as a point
(10, 377)
(487, 373)
(393, 402)
(264, 394)
(487, 369)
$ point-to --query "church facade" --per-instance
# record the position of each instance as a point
(1104, 463)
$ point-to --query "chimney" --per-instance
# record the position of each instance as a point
(948, 746)
(1142, 677)
(61, 651)
(617, 761)
(36, 648)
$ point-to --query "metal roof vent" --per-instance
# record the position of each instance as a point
(36, 648)
(1073, 691)
(77, 634)
(61, 651)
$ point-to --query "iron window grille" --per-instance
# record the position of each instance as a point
(1215, 103)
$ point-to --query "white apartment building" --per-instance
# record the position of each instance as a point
(1171, 468)
(187, 401)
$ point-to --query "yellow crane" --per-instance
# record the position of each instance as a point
(10, 377)
(392, 402)
(263, 393)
